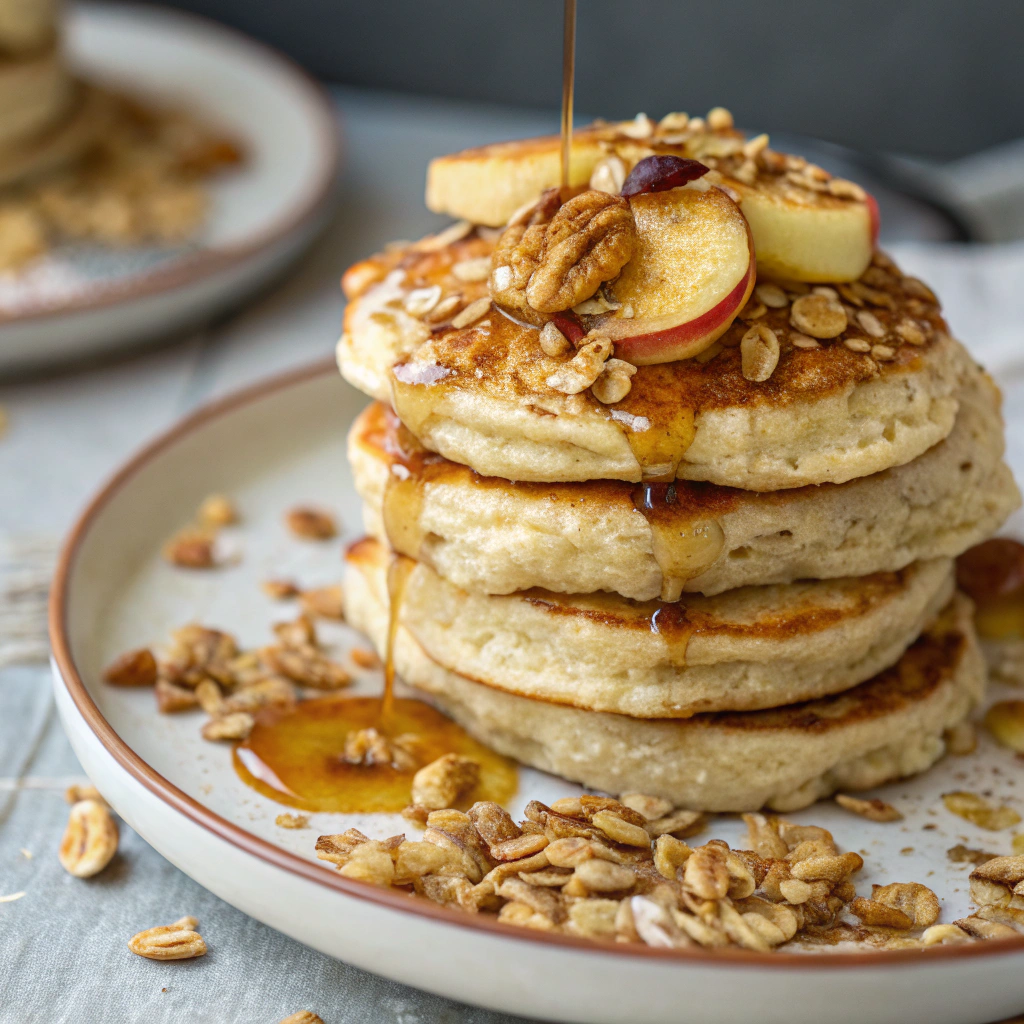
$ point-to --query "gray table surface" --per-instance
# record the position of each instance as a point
(62, 946)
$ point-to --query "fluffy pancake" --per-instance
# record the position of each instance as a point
(494, 536)
(889, 727)
(751, 648)
(35, 92)
(479, 395)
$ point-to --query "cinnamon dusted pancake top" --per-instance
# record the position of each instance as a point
(875, 396)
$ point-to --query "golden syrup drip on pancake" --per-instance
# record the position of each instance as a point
(661, 445)
(399, 571)
(686, 542)
(568, 81)
(992, 575)
(293, 756)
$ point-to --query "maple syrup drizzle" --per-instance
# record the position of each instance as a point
(685, 545)
(293, 756)
(568, 80)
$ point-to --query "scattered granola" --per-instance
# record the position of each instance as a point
(191, 548)
(217, 510)
(759, 349)
(280, 590)
(364, 657)
(204, 668)
(324, 603)
(292, 821)
(977, 810)
(1005, 720)
(961, 854)
(442, 782)
(311, 523)
(302, 1017)
(873, 810)
(76, 792)
(177, 941)
(90, 840)
(133, 668)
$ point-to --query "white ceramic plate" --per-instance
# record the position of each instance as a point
(82, 300)
(281, 444)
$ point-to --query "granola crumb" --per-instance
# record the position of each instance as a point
(280, 590)
(191, 548)
(324, 603)
(363, 657)
(873, 810)
(308, 523)
(292, 821)
(217, 510)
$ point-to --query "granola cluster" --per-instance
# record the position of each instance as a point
(620, 870)
(142, 182)
(204, 668)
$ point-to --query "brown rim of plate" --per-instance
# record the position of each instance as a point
(193, 268)
(390, 899)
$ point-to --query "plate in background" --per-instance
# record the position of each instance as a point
(80, 300)
(281, 444)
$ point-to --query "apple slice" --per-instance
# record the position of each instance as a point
(691, 273)
(826, 240)
(820, 232)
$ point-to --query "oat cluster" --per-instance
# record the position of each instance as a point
(620, 870)
(142, 182)
(205, 668)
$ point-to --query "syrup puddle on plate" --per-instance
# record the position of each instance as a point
(295, 755)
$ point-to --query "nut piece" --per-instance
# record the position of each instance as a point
(311, 524)
(819, 316)
(916, 901)
(771, 295)
(583, 369)
(133, 668)
(552, 341)
(442, 782)
(609, 175)
(235, 726)
(980, 812)
(190, 549)
(292, 821)
(873, 810)
(1005, 720)
(615, 381)
(473, 312)
(324, 603)
(217, 510)
(178, 941)
(759, 353)
(587, 242)
(90, 839)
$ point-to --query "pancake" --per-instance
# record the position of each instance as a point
(751, 648)
(59, 144)
(35, 93)
(479, 395)
(888, 727)
(27, 26)
(646, 542)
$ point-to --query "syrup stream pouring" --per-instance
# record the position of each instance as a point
(568, 77)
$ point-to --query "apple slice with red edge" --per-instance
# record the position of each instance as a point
(691, 273)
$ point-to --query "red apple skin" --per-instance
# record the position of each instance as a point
(875, 217)
(692, 337)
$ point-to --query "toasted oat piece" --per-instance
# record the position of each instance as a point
(292, 821)
(303, 1017)
(133, 668)
(308, 523)
(217, 510)
(90, 839)
(177, 941)
(873, 810)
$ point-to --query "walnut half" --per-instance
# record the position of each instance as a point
(560, 254)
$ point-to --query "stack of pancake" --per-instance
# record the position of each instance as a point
(727, 577)
(46, 116)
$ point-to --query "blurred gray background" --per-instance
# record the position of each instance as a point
(932, 78)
